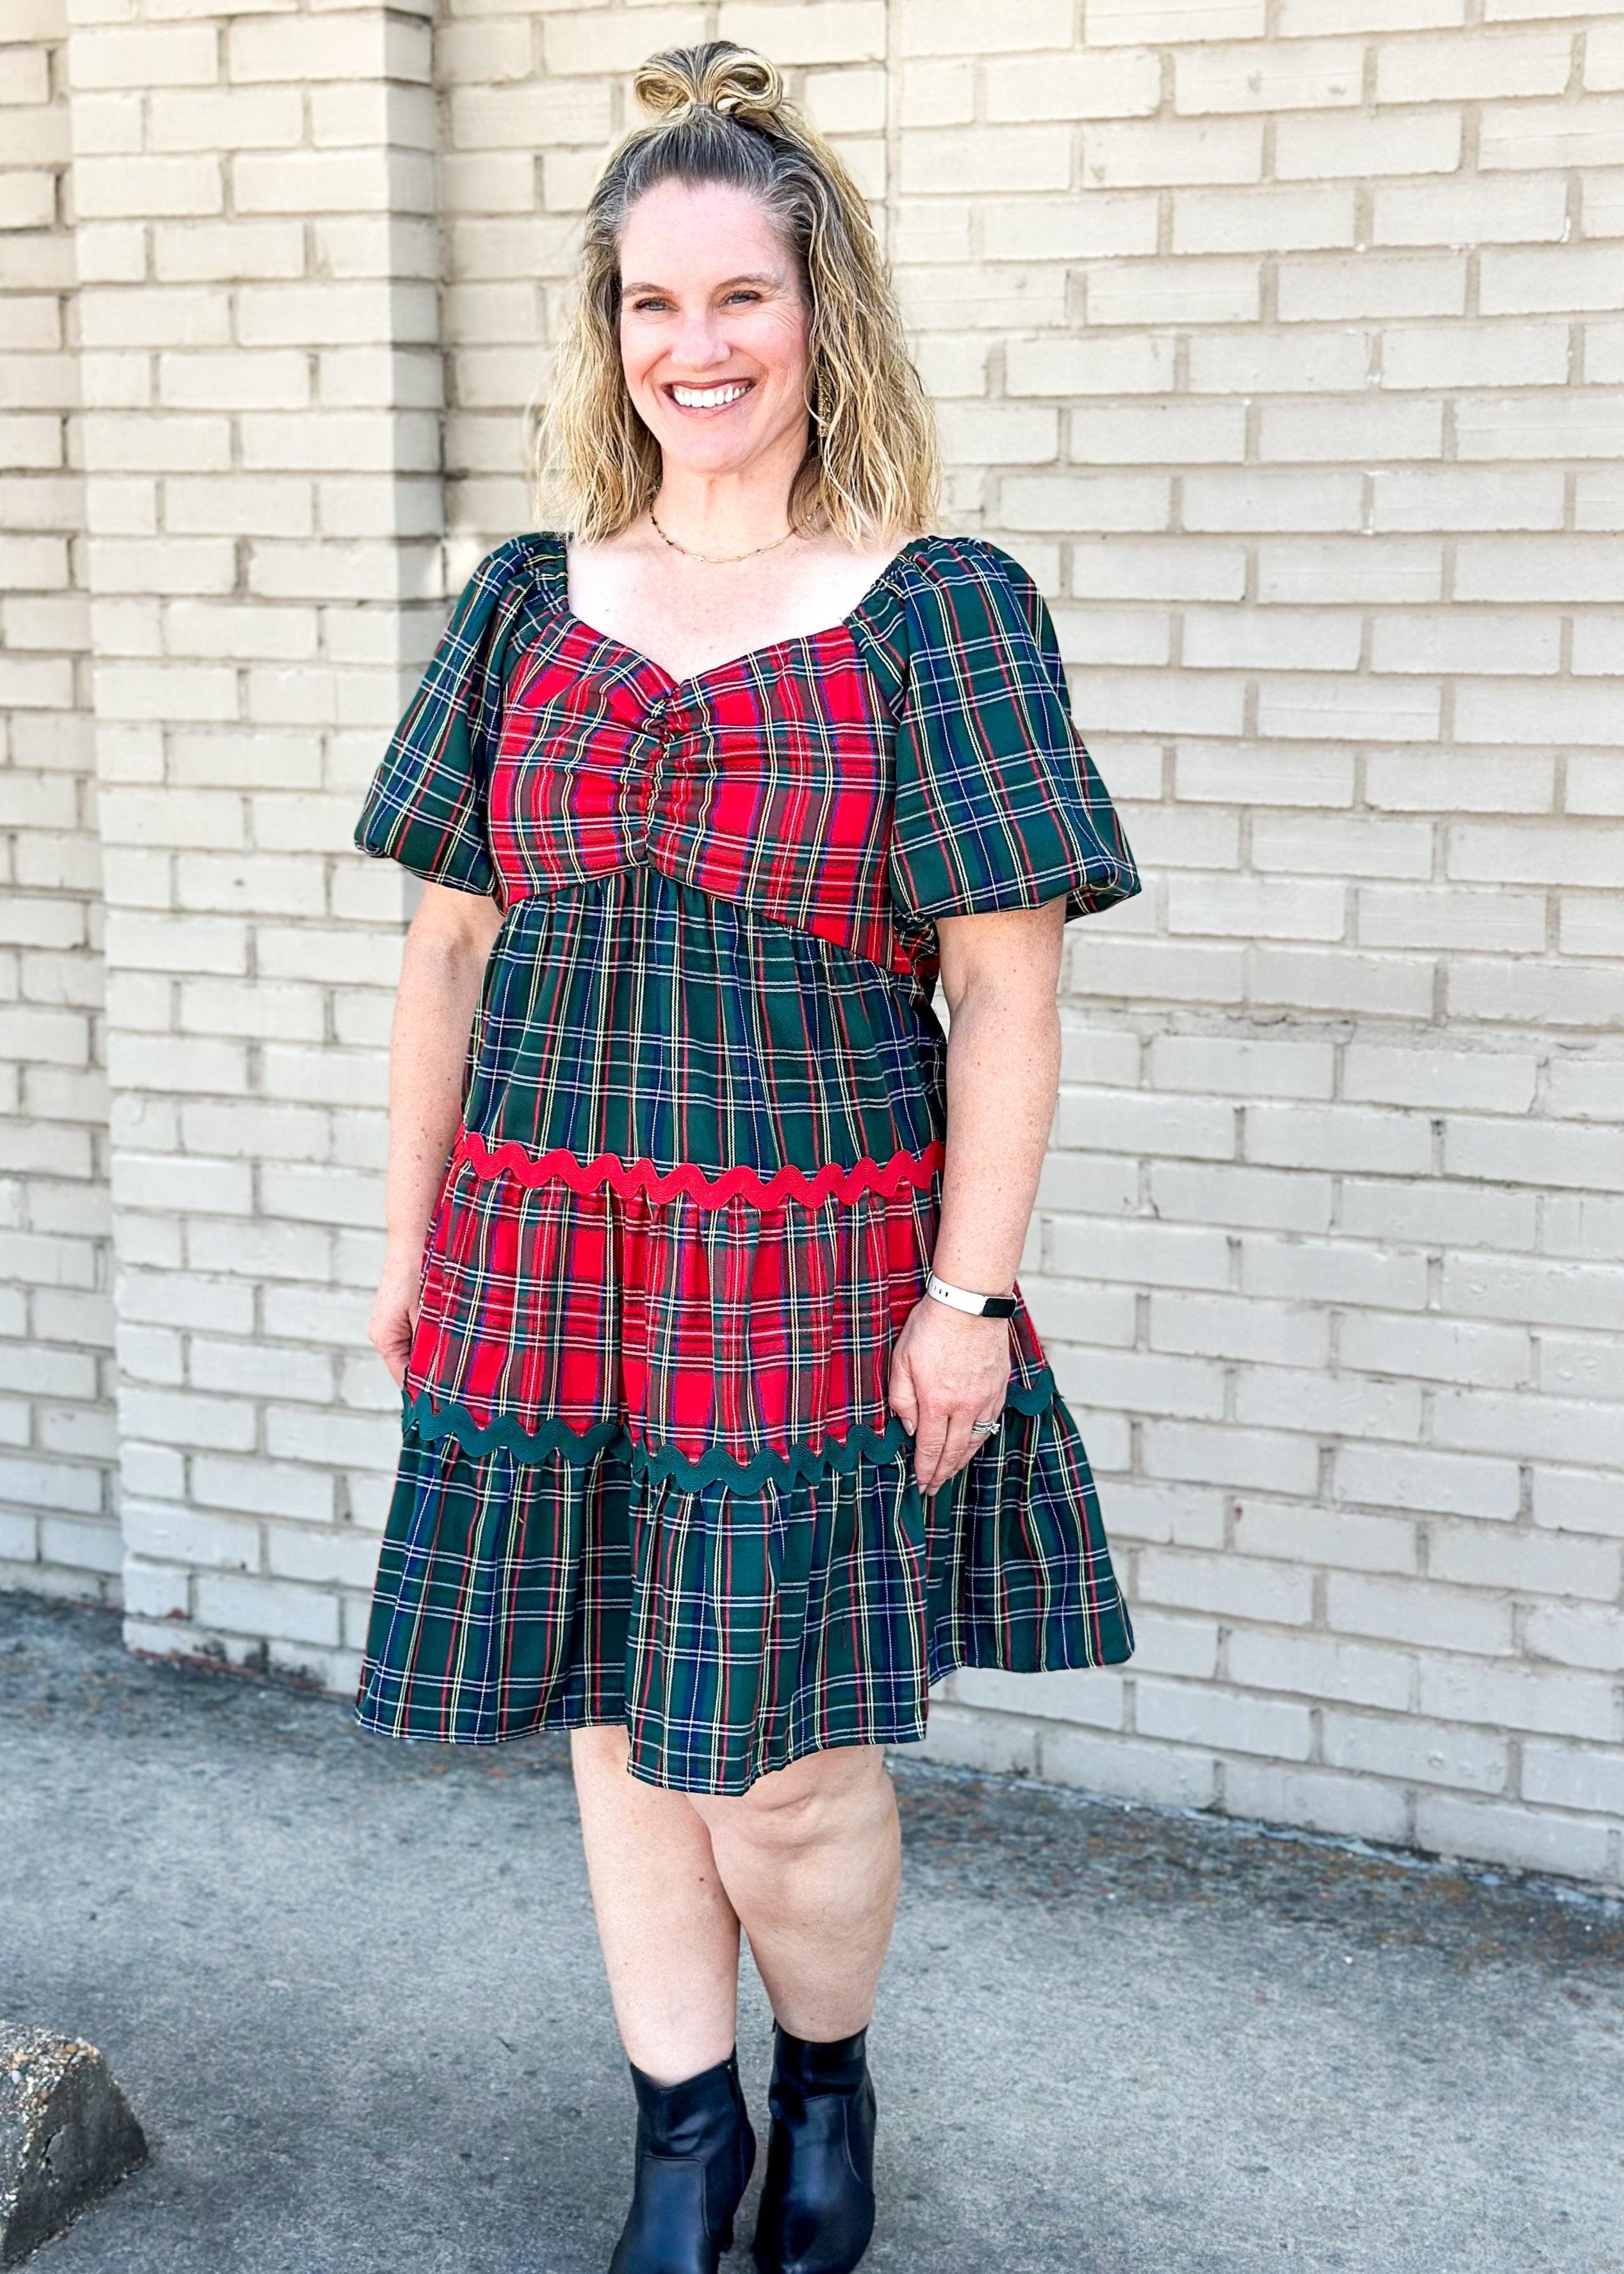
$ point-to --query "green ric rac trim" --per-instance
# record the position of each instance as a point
(422, 1418)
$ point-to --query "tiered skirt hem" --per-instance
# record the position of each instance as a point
(733, 1617)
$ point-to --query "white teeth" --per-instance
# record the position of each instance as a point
(709, 398)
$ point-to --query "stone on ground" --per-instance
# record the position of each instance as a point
(66, 2136)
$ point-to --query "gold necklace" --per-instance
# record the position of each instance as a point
(719, 559)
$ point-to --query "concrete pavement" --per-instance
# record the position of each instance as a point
(352, 1991)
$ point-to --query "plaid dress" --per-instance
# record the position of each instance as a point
(649, 1471)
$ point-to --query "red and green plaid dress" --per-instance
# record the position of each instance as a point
(649, 1471)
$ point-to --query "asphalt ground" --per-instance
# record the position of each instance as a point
(352, 1990)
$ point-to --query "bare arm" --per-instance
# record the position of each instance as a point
(999, 974)
(442, 970)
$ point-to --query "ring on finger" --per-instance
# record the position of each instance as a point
(984, 1428)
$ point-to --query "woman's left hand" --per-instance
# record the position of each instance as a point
(947, 1370)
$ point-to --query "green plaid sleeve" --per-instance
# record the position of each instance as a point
(426, 805)
(998, 804)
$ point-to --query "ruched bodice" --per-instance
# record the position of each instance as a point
(764, 782)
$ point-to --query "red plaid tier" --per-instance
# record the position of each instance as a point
(649, 1471)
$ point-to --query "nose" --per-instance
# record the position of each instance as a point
(698, 344)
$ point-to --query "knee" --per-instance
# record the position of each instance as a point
(815, 1802)
(784, 1824)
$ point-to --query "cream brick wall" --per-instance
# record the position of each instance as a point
(1327, 1249)
(1280, 338)
(58, 1521)
(260, 375)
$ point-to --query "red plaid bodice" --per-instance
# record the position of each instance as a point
(765, 780)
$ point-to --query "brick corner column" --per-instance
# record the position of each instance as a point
(260, 366)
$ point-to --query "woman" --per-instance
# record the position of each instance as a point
(695, 1461)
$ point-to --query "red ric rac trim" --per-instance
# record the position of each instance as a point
(510, 1159)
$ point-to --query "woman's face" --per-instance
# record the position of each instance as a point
(714, 328)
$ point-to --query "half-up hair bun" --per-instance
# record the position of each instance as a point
(733, 81)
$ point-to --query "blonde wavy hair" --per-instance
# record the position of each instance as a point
(719, 114)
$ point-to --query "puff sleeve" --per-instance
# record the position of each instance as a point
(426, 804)
(997, 801)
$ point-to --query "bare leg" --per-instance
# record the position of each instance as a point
(670, 1936)
(809, 1859)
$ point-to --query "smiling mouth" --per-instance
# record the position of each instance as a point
(710, 398)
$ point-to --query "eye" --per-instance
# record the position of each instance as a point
(745, 292)
(646, 300)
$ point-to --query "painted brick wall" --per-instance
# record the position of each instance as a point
(58, 1524)
(257, 309)
(1277, 341)
(1280, 341)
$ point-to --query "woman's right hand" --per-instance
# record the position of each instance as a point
(395, 1306)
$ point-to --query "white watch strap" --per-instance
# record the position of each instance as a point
(961, 1298)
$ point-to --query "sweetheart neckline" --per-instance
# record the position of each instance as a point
(560, 569)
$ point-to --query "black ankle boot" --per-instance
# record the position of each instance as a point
(817, 2205)
(695, 2150)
